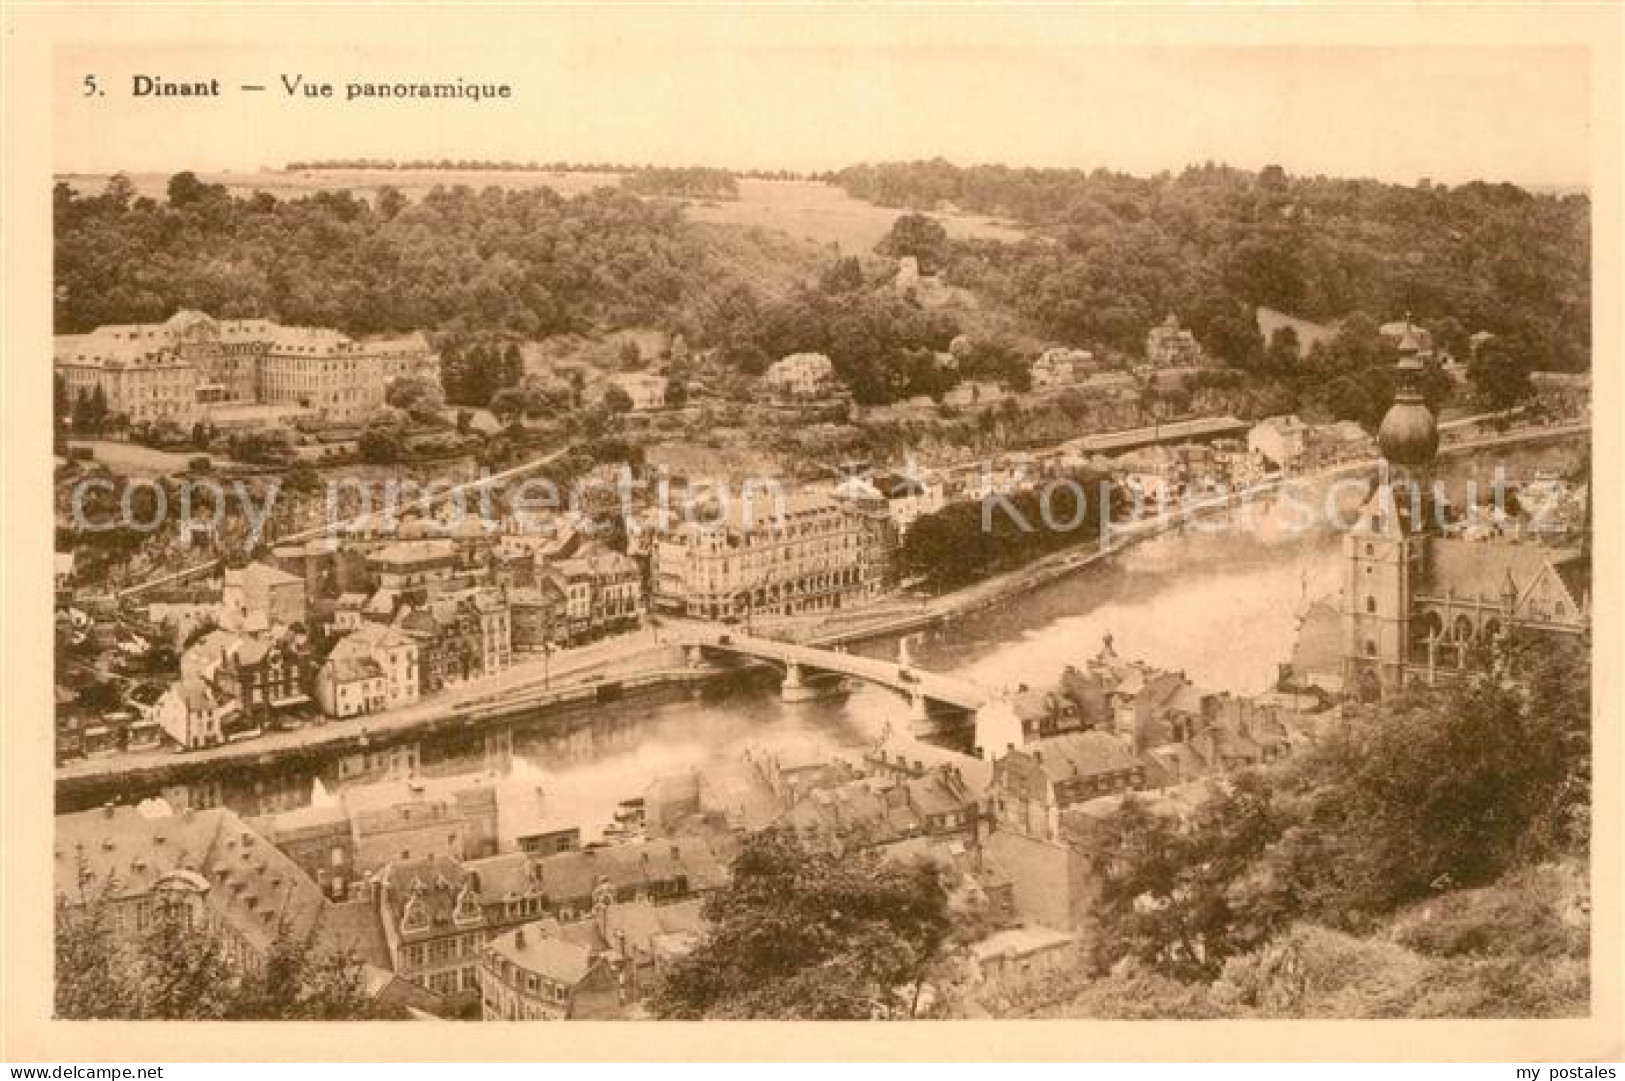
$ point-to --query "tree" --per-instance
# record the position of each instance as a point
(420, 396)
(381, 446)
(383, 440)
(90, 413)
(677, 393)
(390, 202)
(805, 933)
(186, 189)
(508, 405)
(1499, 372)
(174, 966)
(1176, 896)
(1437, 791)
(842, 276)
(918, 236)
(1284, 352)
(617, 400)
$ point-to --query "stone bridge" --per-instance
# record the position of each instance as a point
(800, 664)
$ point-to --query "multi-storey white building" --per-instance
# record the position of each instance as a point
(167, 371)
(774, 554)
(137, 369)
(373, 667)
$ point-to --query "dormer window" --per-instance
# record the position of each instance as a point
(415, 917)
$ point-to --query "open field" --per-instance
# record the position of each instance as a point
(827, 215)
(806, 210)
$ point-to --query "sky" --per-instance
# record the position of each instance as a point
(695, 87)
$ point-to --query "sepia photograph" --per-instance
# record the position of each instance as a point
(864, 515)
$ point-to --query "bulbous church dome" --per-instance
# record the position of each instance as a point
(1408, 436)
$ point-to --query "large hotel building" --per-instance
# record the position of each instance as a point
(177, 370)
(777, 554)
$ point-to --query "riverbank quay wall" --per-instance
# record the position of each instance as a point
(117, 783)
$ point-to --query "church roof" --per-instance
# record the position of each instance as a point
(1574, 570)
(1482, 568)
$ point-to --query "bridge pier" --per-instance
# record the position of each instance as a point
(918, 710)
(997, 728)
(795, 688)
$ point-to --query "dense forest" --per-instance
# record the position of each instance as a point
(1113, 253)
(529, 262)
(479, 270)
(1109, 256)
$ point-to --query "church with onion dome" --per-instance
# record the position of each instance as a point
(1423, 600)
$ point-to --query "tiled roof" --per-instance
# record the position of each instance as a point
(502, 876)
(1080, 754)
(260, 575)
(352, 669)
(569, 875)
(1481, 568)
(250, 883)
(533, 949)
(433, 882)
(121, 850)
(367, 639)
(354, 926)
(420, 551)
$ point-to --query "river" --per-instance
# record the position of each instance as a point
(1217, 600)
(1218, 605)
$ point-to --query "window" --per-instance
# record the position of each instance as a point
(1370, 647)
(1371, 604)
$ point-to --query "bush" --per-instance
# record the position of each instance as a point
(1523, 915)
(1314, 972)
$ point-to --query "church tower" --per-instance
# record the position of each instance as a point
(1385, 551)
